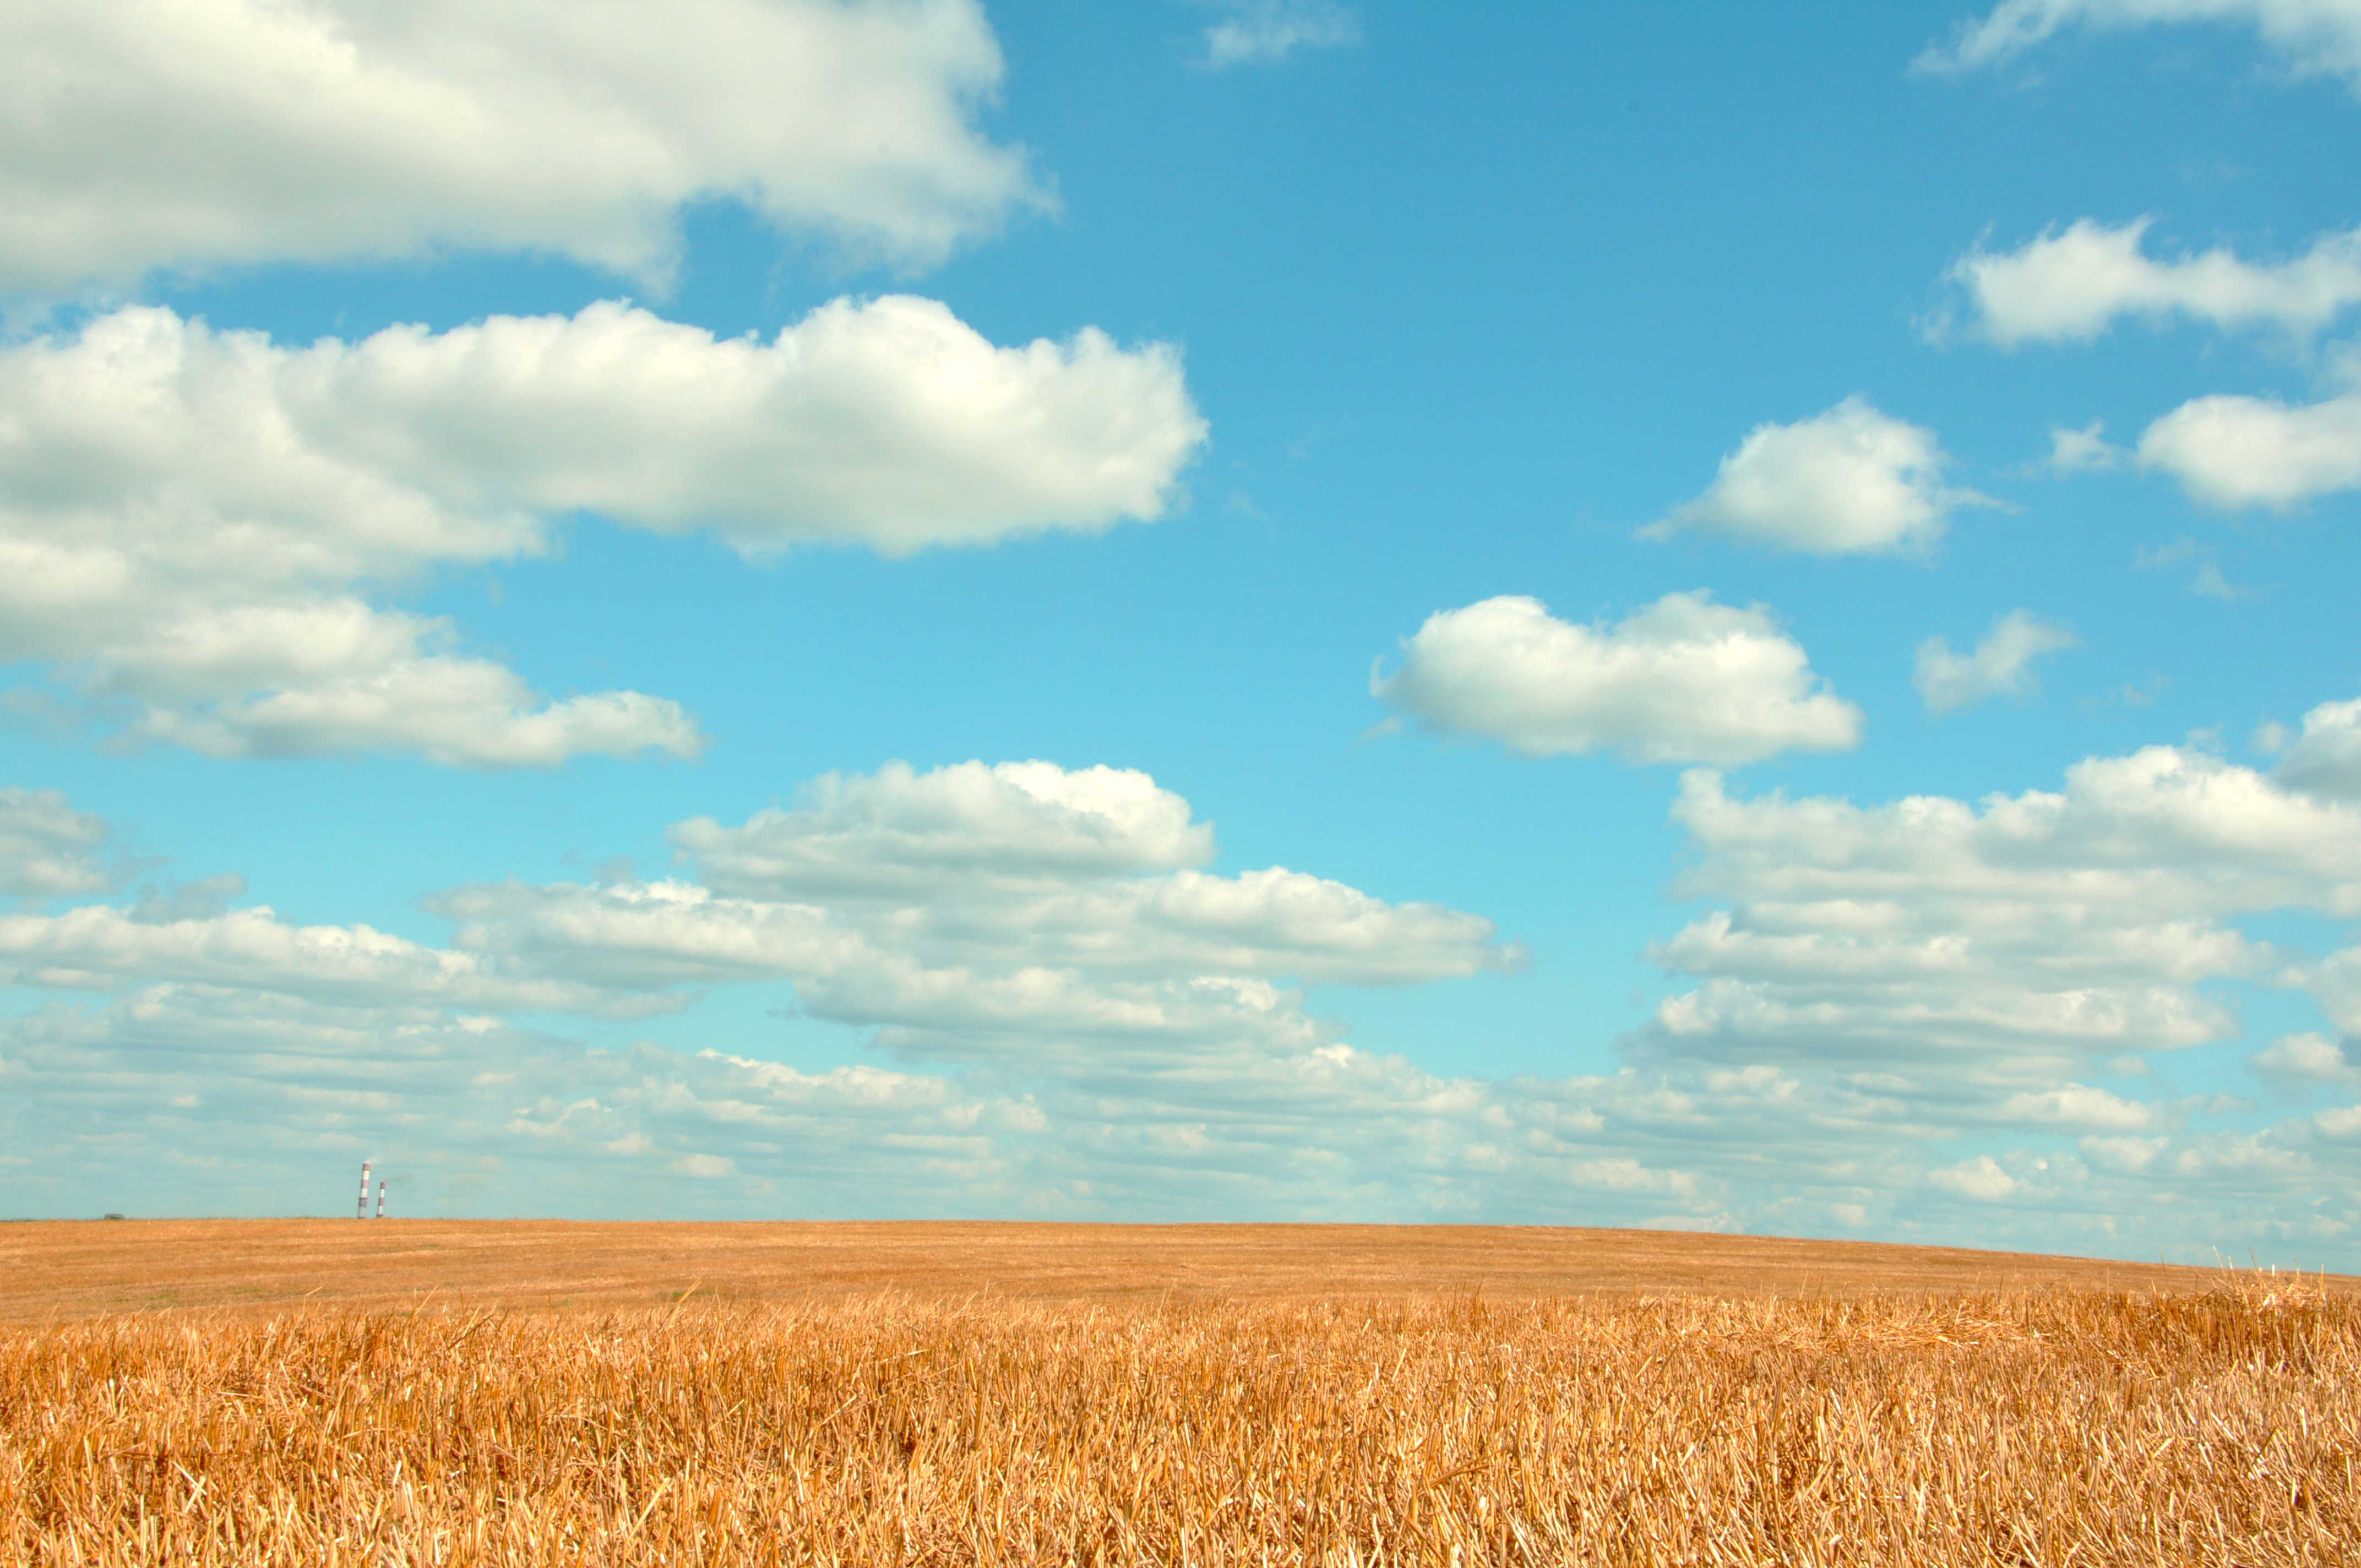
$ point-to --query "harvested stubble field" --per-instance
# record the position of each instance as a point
(2191, 1418)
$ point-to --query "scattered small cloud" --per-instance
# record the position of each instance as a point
(2315, 36)
(2001, 665)
(2207, 580)
(1264, 32)
(2084, 451)
(2151, 557)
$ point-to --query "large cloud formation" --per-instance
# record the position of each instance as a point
(144, 134)
(1927, 1017)
(1081, 1011)
(2030, 966)
(199, 523)
(1682, 680)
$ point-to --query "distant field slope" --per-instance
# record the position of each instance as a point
(54, 1270)
(2048, 1427)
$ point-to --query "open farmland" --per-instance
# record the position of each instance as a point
(67, 1269)
(954, 1394)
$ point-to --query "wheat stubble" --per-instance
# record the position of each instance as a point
(2216, 1425)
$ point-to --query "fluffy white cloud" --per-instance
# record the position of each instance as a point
(2307, 1057)
(1903, 1030)
(140, 134)
(1110, 1018)
(2325, 757)
(1931, 971)
(1981, 1179)
(1009, 911)
(2001, 665)
(1979, 953)
(48, 850)
(888, 422)
(1844, 482)
(1681, 680)
(194, 520)
(901, 831)
(2072, 284)
(2315, 35)
(2166, 832)
(185, 1097)
(95, 947)
(1257, 32)
(2235, 452)
(2227, 451)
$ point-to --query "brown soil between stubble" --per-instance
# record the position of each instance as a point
(65, 1270)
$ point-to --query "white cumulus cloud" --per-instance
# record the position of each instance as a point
(1970, 953)
(1074, 1019)
(1002, 911)
(2324, 758)
(144, 134)
(900, 830)
(1847, 481)
(2071, 284)
(95, 947)
(2315, 36)
(2307, 1057)
(973, 903)
(887, 422)
(203, 524)
(1981, 1179)
(2001, 665)
(1680, 680)
(2232, 452)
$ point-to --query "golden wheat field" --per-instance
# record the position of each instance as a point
(2201, 1418)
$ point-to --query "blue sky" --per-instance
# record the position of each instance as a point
(1288, 610)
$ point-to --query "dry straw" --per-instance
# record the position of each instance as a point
(2054, 1428)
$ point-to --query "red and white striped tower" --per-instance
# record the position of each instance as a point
(360, 1210)
(380, 1198)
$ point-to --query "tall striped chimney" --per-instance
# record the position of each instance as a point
(360, 1210)
(380, 1198)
